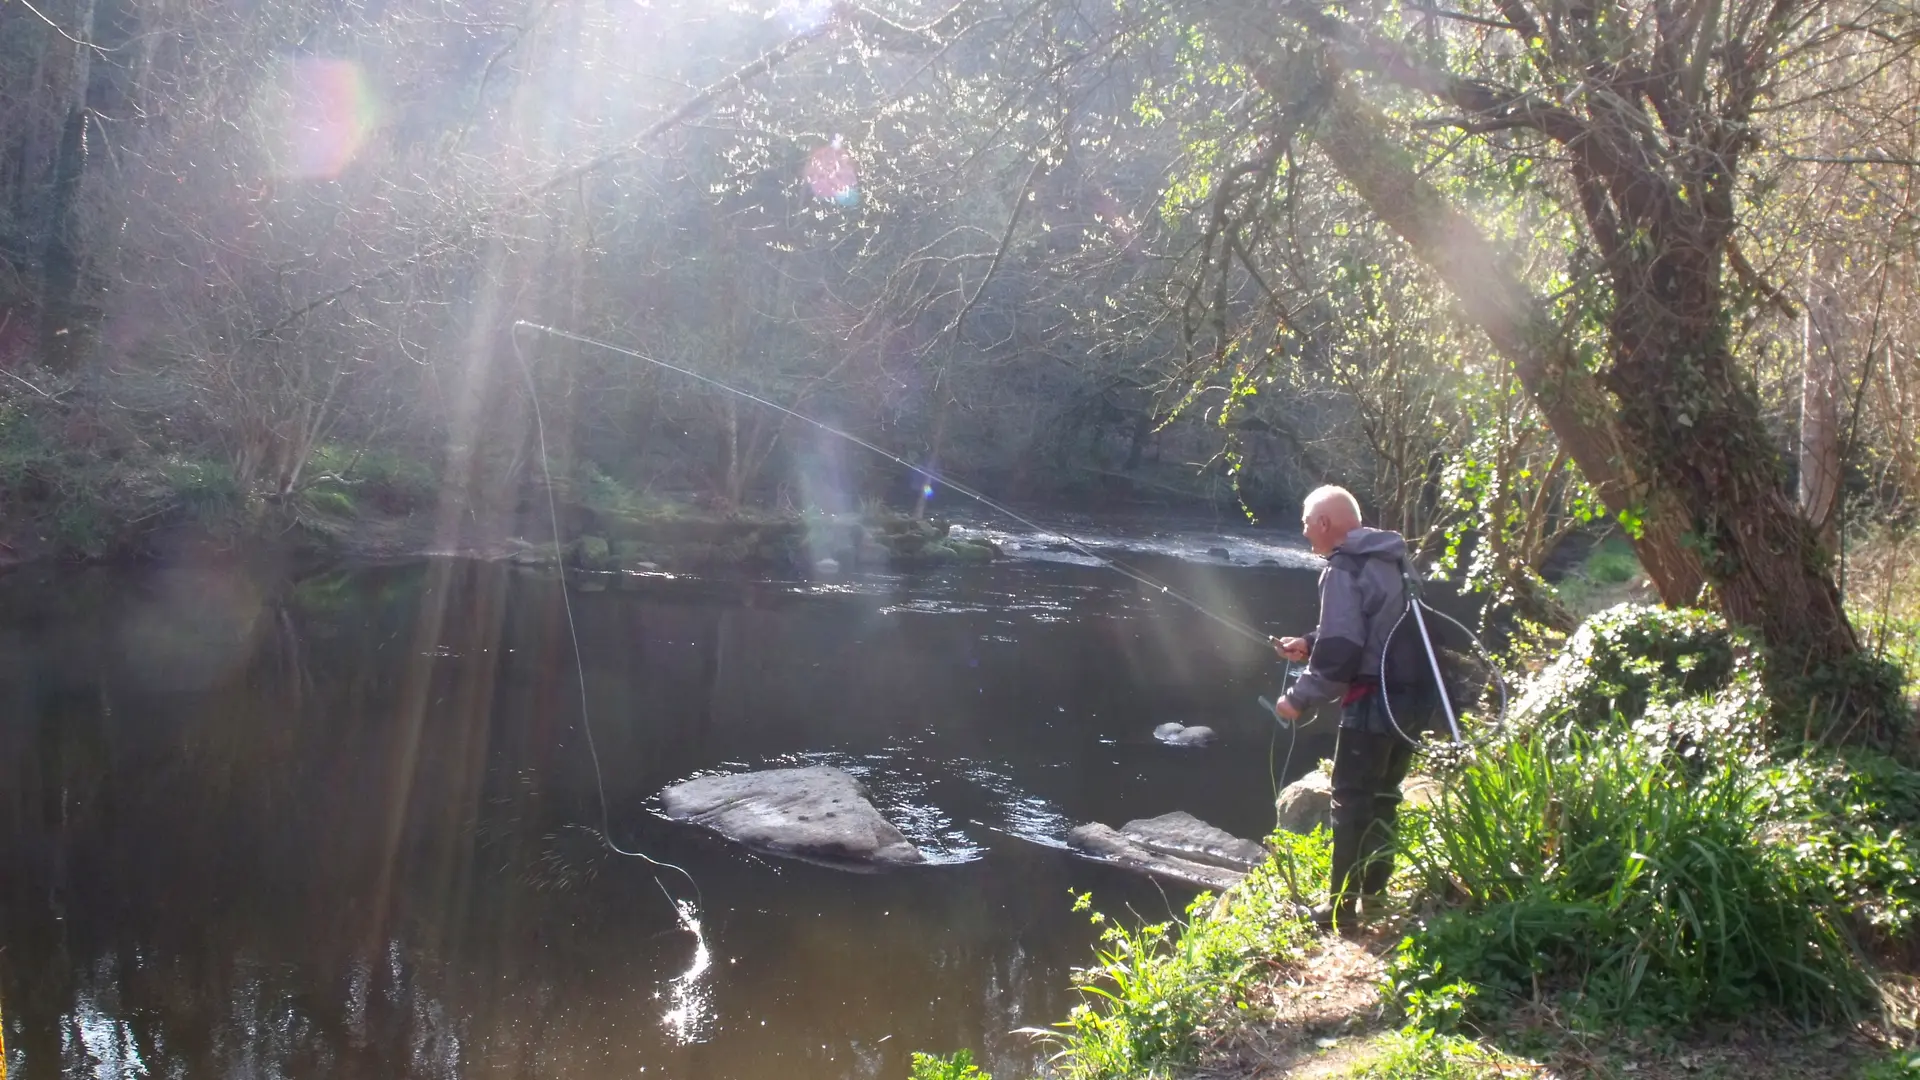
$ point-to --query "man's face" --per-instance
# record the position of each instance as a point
(1318, 529)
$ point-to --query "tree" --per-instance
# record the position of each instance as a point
(1636, 119)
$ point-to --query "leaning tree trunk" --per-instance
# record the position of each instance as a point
(1696, 423)
(1574, 404)
(1686, 445)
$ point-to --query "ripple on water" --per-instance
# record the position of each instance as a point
(1023, 816)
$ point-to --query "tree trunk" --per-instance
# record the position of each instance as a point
(1819, 447)
(1514, 319)
(60, 313)
(1698, 425)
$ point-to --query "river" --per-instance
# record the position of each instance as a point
(340, 827)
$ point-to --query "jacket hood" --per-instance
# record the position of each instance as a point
(1371, 542)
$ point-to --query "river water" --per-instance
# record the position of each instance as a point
(339, 827)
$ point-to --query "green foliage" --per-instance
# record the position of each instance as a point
(1849, 833)
(1597, 581)
(205, 490)
(1155, 989)
(1628, 877)
(598, 491)
(1420, 1054)
(960, 1066)
(1898, 1065)
(1631, 657)
(1611, 565)
(383, 480)
(330, 501)
(1882, 581)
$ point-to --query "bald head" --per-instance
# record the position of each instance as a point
(1327, 516)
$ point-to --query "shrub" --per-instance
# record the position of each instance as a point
(1630, 657)
(1626, 877)
(1844, 825)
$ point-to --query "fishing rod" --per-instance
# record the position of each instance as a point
(1139, 577)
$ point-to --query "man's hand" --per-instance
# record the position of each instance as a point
(1285, 709)
(1291, 648)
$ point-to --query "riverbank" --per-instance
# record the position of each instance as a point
(381, 509)
(1637, 877)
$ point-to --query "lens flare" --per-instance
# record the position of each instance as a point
(331, 110)
(833, 176)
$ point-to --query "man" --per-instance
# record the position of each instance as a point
(1362, 597)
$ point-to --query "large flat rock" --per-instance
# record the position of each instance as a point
(1176, 846)
(818, 812)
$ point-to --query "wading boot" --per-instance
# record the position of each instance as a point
(1373, 882)
(1343, 882)
(1343, 916)
(1376, 858)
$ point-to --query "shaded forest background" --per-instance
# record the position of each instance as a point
(261, 266)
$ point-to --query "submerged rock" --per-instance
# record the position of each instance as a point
(818, 812)
(1177, 846)
(1182, 735)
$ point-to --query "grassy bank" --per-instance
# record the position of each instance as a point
(1635, 877)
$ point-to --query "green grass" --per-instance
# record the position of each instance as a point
(1597, 581)
(1154, 990)
(1612, 563)
(347, 480)
(1417, 1054)
(1629, 881)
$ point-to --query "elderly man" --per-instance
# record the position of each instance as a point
(1362, 597)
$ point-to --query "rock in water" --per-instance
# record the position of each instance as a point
(1308, 801)
(818, 812)
(1177, 846)
(1181, 735)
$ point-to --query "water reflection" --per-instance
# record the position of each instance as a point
(691, 1012)
(339, 828)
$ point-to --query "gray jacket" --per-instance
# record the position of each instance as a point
(1361, 598)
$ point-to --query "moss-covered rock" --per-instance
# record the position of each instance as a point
(973, 551)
